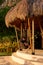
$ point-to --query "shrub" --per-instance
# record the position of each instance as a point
(15, 46)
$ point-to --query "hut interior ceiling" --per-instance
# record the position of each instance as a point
(38, 19)
(17, 22)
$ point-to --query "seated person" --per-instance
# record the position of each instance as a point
(22, 41)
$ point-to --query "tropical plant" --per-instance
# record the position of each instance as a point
(1, 1)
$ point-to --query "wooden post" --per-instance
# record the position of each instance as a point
(10, 3)
(29, 33)
(16, 34)
(33, 51)
(21, 30)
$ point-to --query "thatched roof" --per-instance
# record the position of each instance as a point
(20, 11)
(38, 7)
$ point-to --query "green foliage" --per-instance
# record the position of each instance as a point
(9, 47)
(15, 46)
(5, 54)
(4, 31)
(1, 1)
(37, 39)
(7, 35)
(3, 12)
(2, 16)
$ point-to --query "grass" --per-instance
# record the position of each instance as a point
(5, 53)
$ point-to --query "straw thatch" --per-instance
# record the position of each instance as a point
(38, 7)
(38, 11)
(20, 11)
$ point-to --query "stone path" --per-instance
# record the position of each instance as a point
(7, 60)
(37, 52)
(11, 62)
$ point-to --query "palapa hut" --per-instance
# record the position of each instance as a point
(22, 17)
(38, 17)
(17, 16)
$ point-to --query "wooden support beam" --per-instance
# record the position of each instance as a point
(29, 33)
(33, 50)
(16, 34)
(21, 30)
